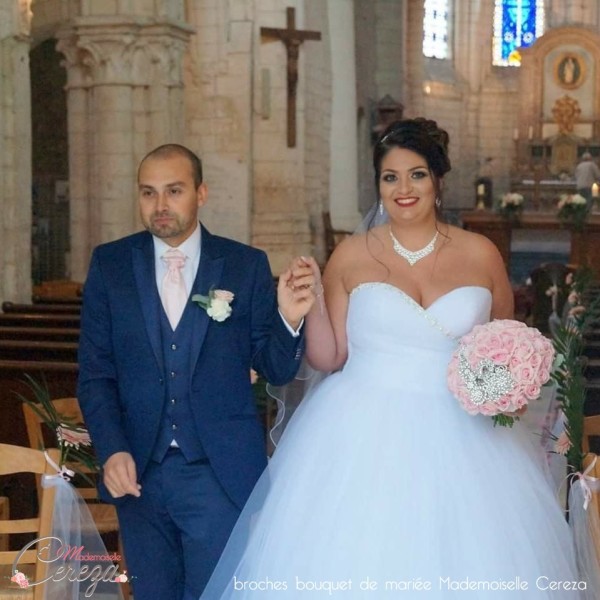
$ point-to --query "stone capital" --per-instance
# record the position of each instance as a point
(15, 19)
(123, 52)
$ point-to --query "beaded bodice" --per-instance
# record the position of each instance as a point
(389, 332)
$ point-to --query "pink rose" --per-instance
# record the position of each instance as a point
(75, 437)
(532, 391)
(20, 579)
(573, 298)
(224, 295)
(576, 311)
(562, 444)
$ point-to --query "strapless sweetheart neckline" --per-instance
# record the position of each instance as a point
(410, 298)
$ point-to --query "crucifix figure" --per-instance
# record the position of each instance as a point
(292, 38)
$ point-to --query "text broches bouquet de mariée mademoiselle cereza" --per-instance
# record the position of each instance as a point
(499, 367)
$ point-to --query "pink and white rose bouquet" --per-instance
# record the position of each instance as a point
(499, 367)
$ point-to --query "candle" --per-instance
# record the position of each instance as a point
(595, 190)
(480, 189)
(530, 132)
(516, 134)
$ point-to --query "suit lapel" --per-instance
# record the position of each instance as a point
(145, 278)
(207, 278)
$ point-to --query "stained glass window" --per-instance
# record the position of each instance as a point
(517, 24)
(435, 29)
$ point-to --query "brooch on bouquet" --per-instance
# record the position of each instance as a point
(499, 367)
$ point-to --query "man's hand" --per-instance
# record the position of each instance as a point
(120, 475)
(297, 290)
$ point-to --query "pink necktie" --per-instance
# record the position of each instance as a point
(174, 295)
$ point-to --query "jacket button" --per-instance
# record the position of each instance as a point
(174, 426)
(173, 346)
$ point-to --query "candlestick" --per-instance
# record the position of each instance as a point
(480, 189)
(530, 132)
(595, 190)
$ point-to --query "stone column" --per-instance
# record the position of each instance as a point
(15, 151)
(343, 143)
(124, 88)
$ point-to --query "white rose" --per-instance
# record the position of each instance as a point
(219, 309)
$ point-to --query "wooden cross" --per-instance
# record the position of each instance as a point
(292, 38)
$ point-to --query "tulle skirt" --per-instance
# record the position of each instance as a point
(394, 491)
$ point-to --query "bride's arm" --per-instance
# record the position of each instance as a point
(325, 324)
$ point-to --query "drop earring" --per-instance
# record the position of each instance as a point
(438, 202)
(381, 207)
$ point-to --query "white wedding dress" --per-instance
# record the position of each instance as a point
(382, 478)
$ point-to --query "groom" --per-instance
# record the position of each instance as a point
(164, 382)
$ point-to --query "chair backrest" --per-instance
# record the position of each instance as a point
(594, 516)
(591, 428)
(68, 408)
(16, 459)
(332, 236)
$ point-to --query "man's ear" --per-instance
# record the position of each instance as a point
(201, 195)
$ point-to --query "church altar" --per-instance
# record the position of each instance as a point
(585, 244)
(543, 194)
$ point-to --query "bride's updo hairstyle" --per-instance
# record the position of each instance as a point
(420, 135)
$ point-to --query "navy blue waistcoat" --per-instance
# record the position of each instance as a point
(177, 421)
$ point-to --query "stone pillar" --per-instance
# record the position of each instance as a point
(15, 151)
(124, 91)
(343, 184)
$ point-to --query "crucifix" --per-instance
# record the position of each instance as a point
(292, 38)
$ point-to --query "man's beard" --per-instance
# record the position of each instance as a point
(166, 230)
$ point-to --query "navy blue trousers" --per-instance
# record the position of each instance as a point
(174, 533)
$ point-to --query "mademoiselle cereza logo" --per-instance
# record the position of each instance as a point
(69, 566)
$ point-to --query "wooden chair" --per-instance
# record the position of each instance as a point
(57, 290)
(594, 517)
(591, 428)
(16, 459)
(332, 236)
(104, 515)
(4, 515)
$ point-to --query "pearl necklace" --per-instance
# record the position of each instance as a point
(408, 255)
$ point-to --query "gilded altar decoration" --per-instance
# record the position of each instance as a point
(569, 70)
(566, 113)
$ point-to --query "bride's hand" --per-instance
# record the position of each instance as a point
(298, 289)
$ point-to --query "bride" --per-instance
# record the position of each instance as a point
(382, 485)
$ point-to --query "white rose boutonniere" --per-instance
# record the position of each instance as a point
(217, 304)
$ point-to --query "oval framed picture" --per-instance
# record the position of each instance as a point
(569, 70)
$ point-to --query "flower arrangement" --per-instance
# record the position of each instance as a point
(510, 205)
(72, 439)
(568, 341)
(20, 579)
(572, 210)
(499, 367)
(217, 304)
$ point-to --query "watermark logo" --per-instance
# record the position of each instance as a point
(72, 564)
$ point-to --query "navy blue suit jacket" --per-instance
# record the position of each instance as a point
(121, 372)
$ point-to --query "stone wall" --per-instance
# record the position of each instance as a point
(15, 151)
